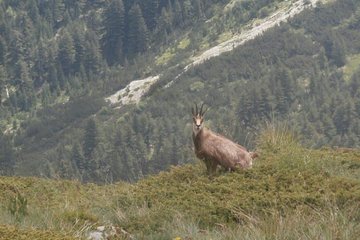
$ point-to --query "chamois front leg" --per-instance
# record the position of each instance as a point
(211, 166)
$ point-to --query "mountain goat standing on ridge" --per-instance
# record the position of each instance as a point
(215, 149)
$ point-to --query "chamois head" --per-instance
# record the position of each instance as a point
(198, 118)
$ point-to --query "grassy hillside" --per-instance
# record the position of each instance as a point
(290, 193)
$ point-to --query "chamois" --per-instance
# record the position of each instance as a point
(215, 149)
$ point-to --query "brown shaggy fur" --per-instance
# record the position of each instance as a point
(215, 149)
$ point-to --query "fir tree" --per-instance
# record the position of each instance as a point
(77, 158)
(7, 156)
(66, 54)
(150, 10)
(137, 41)
(90, 139)
(2, 50)
(3, 78)
(113, 36)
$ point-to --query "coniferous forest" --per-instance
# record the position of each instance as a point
(60, 59)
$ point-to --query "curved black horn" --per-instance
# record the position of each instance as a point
(205, 111)
(196, 109)
(201, 113)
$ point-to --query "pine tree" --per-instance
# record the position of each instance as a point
(338, 52)
(40, 67)
(90, 139)
(116, 155)
(113, 36)
(74, 7)
(93, 60)
(186, 9)
(2, 50)
(33, 11)
(26, 97)
(287, 84)
(150, 10)
(66, 54)
(175, 152)
(53, 78)
(7, 158)
(77, 158)
(164, 25)
(178, 19)
(79, 46)
(58, 12)
(3, 79)
(137, 41)
(198, 9)
(265, 102)
(15, 52)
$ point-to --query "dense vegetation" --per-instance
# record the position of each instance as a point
(59, 58)
(301, 74)
(291, 192)
(55, 123)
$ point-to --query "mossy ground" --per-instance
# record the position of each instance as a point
(290, 193)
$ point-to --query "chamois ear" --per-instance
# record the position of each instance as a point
(193, 111)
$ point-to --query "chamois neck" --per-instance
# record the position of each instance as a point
(197, 137)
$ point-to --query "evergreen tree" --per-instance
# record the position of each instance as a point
(287, 84)
(338, 51)
(113, 36)
(93, 60)
(175, 152)
(198, 9)
(79, 46)
(7, 155)
(58, 12)
(187, 9)
(74, 7)
(150, 9)
(40, 68)
(66, 54)
(165, 22)
(178, 19)
(77, 158)
(3, 78)
(53, 78)
(2, 50)
(137, 41)
(90, 139)
(33, 11)
(116, 156)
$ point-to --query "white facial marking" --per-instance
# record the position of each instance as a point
(197, 124)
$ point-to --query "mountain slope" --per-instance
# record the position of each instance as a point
(249, 32)
(292, 72)
(39, 137)
(289, 185)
